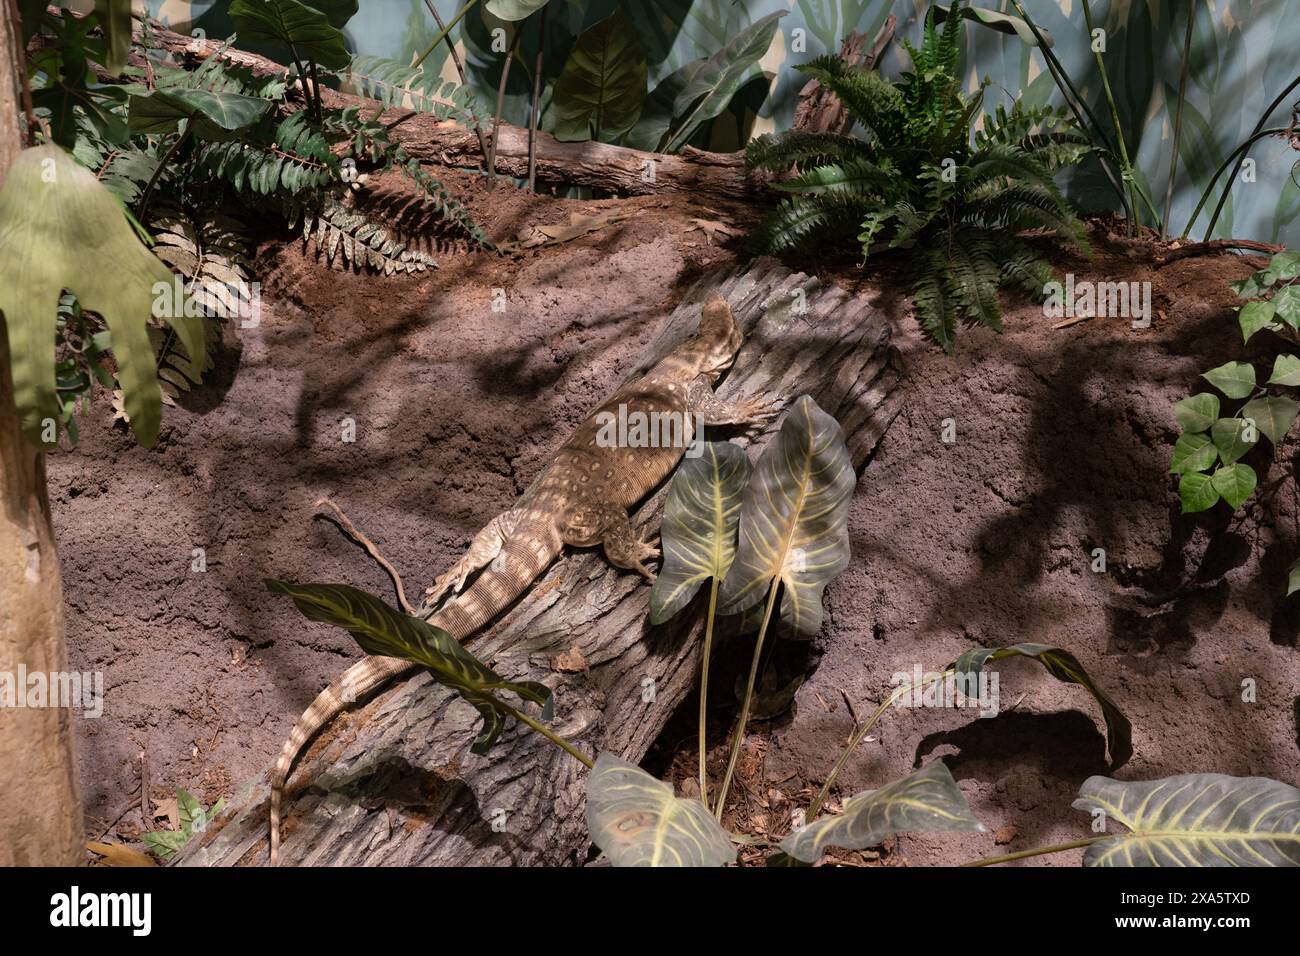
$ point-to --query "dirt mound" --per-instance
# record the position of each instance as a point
(1062, 443)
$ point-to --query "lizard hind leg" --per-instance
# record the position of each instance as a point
(624, 547)
(482, 551)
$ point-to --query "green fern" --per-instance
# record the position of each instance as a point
(919, 178)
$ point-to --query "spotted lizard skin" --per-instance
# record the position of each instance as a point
(581, 500)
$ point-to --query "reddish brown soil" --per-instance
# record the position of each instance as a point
(1063, 438)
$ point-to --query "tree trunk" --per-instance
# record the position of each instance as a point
(394, 782)
(818, 110)
(41, 817)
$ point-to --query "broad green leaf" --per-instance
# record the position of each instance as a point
(302, 29)
(1002, 22)
(1293, 579)
(1065, 667)
(61, 229)
(1193, 452)
(1254, 316)
(1235, 483)
(928, 801)
(1198, 819)
(1273, 415)
(337, 12)
(1234, 379)
(114, 18)
(1286, 303)
(381, 630)
(794, 519)
(1198, 413)
(602, 86)
(215, 115)
(1233, 437)
(1286, 371)
(638, 821)
(1196, 493)
(514, 9)
(1283, 265)
(710, 87)
(698, 532)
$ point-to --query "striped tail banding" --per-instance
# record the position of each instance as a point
(527, 553)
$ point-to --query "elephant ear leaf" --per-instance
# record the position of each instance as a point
(794, 519)
(1198, 819)
(60, 228)
(293, 25)
(1065, 667)
(381, 630)
(928, 801)
(637, 821)
(601, 89)
(699, 526)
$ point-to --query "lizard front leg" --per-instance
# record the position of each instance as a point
(482, 551)
(754, 412)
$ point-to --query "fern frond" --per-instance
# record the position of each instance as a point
(973, 278)
(872, 101)
(777, 152)
(359, 242)
(859, 178)
(932, 299)
(808, 220)
(1022, 268)
(399, 86)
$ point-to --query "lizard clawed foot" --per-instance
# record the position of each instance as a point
(450, 583)
(757, 411)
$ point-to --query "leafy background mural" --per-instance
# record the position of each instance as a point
(1243, 55)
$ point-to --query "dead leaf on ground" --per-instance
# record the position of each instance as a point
(170, 809)
(116, 854)
(552, 233)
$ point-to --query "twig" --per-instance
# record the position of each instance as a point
(533, 117)
(20, 66)
(351, 531)
(144, 790)
(501, 102)
(1215, 245)
(460, 69)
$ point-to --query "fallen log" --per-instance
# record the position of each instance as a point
(615, 169)
(394, 783)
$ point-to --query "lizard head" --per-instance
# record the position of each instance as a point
(718, 339)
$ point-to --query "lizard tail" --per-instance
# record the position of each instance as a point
(356, 682)
(529, 551)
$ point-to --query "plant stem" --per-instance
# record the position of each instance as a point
(501, 103)
(1178, 121)
(704, 692)
(20, 68)
(460, 71)
(1041, 851)
(534, 117)
(550, 735)
(315, 92)
(460, 15)
(739, 736)
(1205, 196)
(1214, 219)
(1125, 165)
(1078, 106)
(860, 734)
(162, 164)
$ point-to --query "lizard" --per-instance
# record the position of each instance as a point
(581, 499)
